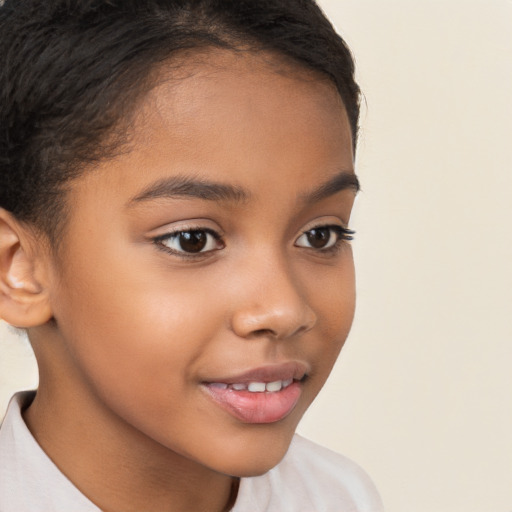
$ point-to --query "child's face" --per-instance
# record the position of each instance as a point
(240, 154)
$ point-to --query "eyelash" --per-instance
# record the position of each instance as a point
(343, 235)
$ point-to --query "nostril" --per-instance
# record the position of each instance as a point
(264, 332)
(261, 333)
(302, 330)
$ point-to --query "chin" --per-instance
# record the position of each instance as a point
(248, 468)
(253, 455)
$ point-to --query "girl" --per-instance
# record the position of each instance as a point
(177, 178)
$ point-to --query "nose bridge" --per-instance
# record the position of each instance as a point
(272, 301)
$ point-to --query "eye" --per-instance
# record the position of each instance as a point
(190, 241)
(324, 237)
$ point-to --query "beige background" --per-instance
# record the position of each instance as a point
(422, 395)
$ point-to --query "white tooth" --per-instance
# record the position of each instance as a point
(287, 382)
(239, 387)
(256, 387)
(219, 385)
(274, 386)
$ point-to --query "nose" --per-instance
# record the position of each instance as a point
(271, 304)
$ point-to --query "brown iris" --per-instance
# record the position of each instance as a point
(319, 237)
(192, 241)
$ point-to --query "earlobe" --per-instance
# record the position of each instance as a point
(24, 300)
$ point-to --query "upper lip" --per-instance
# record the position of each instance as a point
(295, 370)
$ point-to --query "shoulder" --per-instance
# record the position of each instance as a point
(312, 478)
(29, 480)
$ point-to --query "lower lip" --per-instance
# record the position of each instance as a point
(265, 407)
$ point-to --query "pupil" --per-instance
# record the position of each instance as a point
(319, 237)
(192, 241)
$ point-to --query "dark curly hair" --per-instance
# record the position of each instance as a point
(71, 71)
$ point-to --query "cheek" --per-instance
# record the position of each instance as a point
(134, 332)
(333, 298)
(332, 289)
(138, 356)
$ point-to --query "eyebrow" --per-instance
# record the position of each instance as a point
(342, 181)
(183, 186)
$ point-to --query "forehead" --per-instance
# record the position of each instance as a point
(248, 119)
(233, 103)
(224, 79)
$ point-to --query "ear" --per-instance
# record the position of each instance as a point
(24, 299)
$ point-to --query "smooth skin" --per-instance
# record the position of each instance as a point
(140, 324)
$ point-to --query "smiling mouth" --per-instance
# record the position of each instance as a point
(262, 395)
